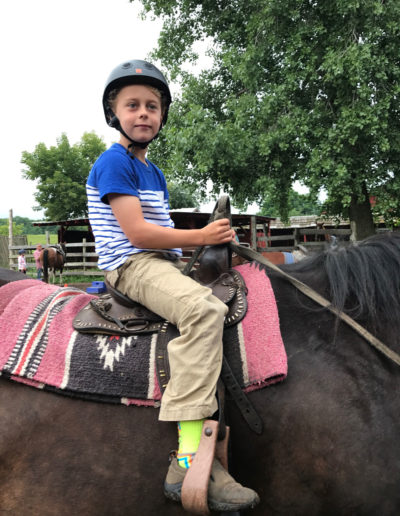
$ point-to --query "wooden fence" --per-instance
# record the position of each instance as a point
(82, 258)
(307, 239)
(19, 240)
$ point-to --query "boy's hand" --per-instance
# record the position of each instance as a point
(218, 232)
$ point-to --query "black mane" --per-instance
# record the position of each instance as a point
(362, 280)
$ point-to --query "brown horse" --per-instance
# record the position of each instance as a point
(330, 445)
(53, 259)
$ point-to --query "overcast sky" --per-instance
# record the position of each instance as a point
(56, 56)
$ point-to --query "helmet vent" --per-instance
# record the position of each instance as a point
(126, 65)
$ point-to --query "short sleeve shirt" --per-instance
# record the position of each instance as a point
(118, 171)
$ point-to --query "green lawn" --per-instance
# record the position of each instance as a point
(41, 239)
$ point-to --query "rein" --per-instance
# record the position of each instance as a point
(249, 254)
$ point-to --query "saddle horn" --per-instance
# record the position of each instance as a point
(222, 209)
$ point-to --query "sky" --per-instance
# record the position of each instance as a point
(56, 57)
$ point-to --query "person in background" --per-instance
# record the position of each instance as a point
(36, 255)
(22, 261)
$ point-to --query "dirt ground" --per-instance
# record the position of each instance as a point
(81, 286)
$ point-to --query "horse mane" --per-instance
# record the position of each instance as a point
(361, 279)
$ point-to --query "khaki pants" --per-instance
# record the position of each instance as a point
(196, 355)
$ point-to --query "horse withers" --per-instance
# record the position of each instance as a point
(52, 259)
(330, 443)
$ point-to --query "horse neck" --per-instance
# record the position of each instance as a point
(311, 322)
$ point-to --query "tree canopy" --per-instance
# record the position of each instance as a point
(23, 226)
(299, 204)
(181, 197)
(61, 172)
(302, 90)
(18, 229)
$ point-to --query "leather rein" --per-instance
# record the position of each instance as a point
(249, 254)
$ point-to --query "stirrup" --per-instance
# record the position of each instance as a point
(195, 484)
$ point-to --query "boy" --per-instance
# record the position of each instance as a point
(139, 251)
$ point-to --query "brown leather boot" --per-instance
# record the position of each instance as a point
(224, 493)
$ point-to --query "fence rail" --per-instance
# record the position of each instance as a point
(306, 238)
(18, 240)
(82, 258)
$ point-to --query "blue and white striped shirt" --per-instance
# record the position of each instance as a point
(115, 171)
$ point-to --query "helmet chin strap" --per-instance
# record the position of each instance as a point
(114, 122)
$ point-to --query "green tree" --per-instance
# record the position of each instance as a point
(386, 202)
(298, 90)
(180, 196)
(18, 229)
(24, 226)
(298, 204)
(61, 172)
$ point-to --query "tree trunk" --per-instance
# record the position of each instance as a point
(361, 221)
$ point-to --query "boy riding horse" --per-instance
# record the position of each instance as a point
(139, 250)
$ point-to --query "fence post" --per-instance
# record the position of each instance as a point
(253, 232)
(267, 243)
(84, 254)
(10, 238)
(296, 237)
(47, 238)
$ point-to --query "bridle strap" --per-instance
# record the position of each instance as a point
(249, 254)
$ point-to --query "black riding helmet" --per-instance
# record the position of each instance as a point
(135, 72)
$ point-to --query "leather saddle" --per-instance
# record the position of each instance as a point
(114, 313)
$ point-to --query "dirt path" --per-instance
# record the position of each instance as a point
(81, 286)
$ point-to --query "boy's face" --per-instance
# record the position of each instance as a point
(139, 112)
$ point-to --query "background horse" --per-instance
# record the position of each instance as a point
(330, 444)
(52, 259)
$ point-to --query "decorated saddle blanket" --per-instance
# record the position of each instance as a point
(39, 346)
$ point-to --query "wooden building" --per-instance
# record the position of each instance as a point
(248, 227)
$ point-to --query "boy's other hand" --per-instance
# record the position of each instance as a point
(218, 232)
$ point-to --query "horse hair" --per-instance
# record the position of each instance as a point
(363, 278)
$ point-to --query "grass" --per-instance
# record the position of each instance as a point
(70, 279)
(41, 239)
(82, 279)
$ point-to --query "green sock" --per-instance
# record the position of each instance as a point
(189, 434)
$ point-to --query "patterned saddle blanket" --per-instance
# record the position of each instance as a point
(40, 347)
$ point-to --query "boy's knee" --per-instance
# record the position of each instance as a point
(221, 308)
(212, 309)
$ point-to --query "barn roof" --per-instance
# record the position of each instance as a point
(69, 222)
(182, 219)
